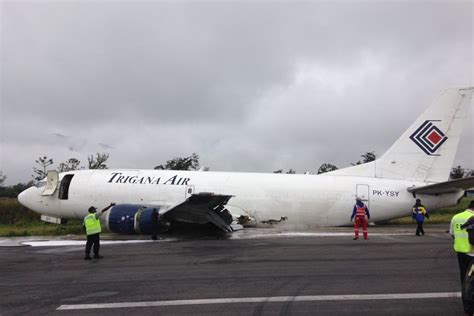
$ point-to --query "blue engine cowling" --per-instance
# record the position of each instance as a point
(130, 219)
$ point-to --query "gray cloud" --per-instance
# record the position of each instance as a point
(248, 86)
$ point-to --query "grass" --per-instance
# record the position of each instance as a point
(17, 220)
(439, 216)
(40, 229)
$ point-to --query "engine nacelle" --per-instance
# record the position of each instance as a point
(129, 219)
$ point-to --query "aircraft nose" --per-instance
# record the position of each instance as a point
(23, 197)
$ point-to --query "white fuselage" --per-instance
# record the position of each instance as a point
(421, 156)
(304, 200)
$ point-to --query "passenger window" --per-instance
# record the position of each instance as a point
(64, 187)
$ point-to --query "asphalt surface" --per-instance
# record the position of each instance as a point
(264, 271)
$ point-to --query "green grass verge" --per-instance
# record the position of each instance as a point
(41, 229)
(439, 216)
(17, 220)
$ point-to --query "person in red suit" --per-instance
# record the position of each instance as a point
(361, 215)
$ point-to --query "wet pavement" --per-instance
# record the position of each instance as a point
(250, 272)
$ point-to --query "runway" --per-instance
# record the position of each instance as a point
(257, 272)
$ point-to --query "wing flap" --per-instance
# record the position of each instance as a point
(203, 208)
(444, 187)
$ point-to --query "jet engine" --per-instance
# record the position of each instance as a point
(129, 219)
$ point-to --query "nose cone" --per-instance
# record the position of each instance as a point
(22, 197)
(25, 197)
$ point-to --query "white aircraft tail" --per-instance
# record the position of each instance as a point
(426, 151)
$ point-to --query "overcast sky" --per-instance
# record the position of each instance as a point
(248, 85)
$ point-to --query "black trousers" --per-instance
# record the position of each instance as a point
(93, 239)
(419, 228)
(154, 231)
(464, 263)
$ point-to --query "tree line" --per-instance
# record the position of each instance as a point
(41, 167)
(327, 167)
(99, 160)
(42, 163)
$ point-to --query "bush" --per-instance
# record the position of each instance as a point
(17, 220)
(13, 213)
(14, 190)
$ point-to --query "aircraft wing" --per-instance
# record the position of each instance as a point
(203, 208)
(444, 187)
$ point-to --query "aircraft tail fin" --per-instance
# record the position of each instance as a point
(426, 150)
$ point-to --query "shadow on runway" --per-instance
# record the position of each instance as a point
(195, 231)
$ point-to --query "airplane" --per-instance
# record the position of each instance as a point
(417, 165)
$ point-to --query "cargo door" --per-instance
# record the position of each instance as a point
(362, 191)
(52, 180)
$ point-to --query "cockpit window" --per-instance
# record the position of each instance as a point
(64, 187)
(40, 184)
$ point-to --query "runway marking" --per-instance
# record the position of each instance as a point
(270, 299)
(46, 243)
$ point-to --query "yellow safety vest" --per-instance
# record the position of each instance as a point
(461, 237)
(92, 224)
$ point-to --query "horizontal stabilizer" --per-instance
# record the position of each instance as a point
(444, 187)
(203, 208)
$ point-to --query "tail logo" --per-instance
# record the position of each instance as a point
(429, 137)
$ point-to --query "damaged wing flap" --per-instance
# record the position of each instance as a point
(203, 208)
(444, 187)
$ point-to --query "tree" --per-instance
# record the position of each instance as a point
(13, 190)
(177, 163)
(43, 163)
(2, 178)
(291, 171)
(326, 167)
(99, 161)
(367, 157)
(459, 172)
(69, 165)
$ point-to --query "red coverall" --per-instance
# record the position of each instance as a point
(360, 219)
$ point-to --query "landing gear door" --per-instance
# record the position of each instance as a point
(362, 191)
(52, 182)
(189, 191)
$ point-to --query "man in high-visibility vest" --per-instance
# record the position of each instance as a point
(92, 227)
(362, 215)
(462, 247)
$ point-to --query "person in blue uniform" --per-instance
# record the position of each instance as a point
(418, 213)
(155, 222)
